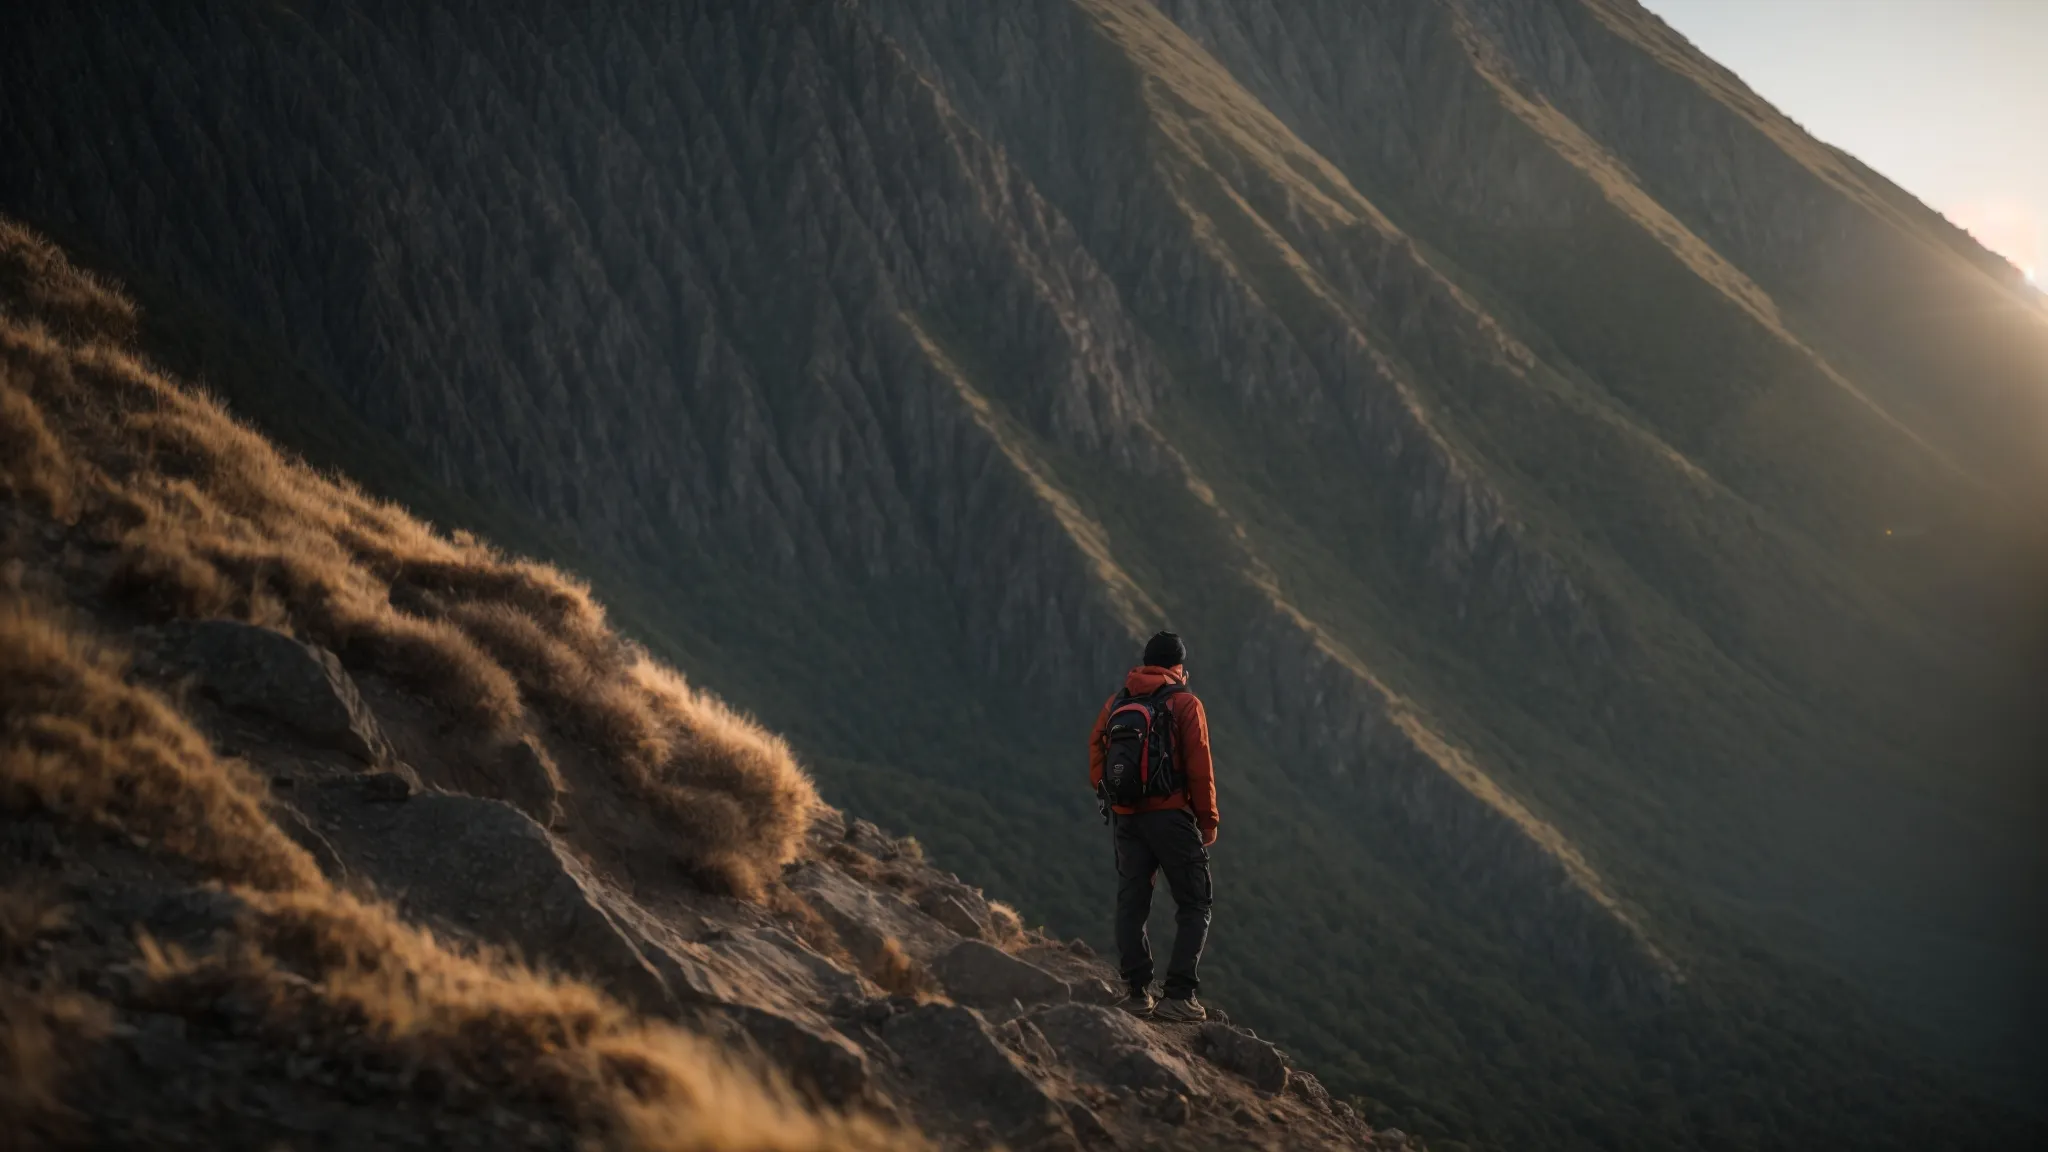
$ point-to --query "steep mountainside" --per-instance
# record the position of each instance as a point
(1608, 523)
(325, 829)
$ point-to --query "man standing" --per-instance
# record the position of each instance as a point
(1148, 759)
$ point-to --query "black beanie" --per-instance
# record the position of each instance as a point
(1166, 650)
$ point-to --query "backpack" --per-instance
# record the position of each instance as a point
(1138, 748)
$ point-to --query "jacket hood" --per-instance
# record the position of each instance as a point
(1146, 679)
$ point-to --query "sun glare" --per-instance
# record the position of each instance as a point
(2008, 227)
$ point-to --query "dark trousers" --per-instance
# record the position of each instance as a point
(1146, 844)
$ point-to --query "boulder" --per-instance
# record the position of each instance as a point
(865, 917)
(522, 774)
(971, 902)
(982, 974)
(1236, 1050)
(387, 787)
(817, 1060)
(1171, 1107)
(1306, 1087)
(1087, 1125)
(962, 1067)
(827, 826)
(1025, 1038)
(1112, 1046)
(947, 910)
(486, 869)
(1095, 990)
(865, 836)
(261, 670)
(772, 954)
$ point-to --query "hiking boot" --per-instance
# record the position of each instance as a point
(1179, 1008)
(1137, 1001)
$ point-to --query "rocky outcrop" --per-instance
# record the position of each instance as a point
(483, 869)
(867, 919)
(1112, 1045)
(951, 1051)
(976, 973)
(263, 671)
(1050, 1075)
(1238, 1050)
(817, 1059)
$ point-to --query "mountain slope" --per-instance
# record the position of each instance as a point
(261, 891)
(1509, 406)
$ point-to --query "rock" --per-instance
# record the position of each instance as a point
(1088, 1127)
(1308, 1088)
(971, 901)
(772, 954)
(389, 787)
(1236, 1050)
(523, 775)
(953, 1055)
(159, 1043)
(486, 868)
(871, 840)
(1091, 990)
(295, 825)
(828, 821)
(1390, 1138)
(1025, 1037)
(862, 1010)
(261, 670)
(817, 1060)
(1173, 1108)
(1112, 1046)
(866, 918)
(982, 974)
(942, 907)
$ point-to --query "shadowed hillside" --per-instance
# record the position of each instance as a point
(481, 875)
(1608, 523)
(128, 494)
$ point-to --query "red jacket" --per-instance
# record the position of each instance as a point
(1190, 747)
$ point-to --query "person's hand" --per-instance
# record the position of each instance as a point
(1208, 837)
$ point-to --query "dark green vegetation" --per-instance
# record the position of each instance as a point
(1628, 507)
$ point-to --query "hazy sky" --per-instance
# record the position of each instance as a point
(1949, 98)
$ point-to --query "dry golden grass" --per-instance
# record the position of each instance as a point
(329, 974)
(375, 994)
(1006, 927)
(77, 742)
(42, 1034)
(41, 1031)
(207, 519)
(893, 970)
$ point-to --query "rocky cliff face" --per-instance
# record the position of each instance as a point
(1514, 410)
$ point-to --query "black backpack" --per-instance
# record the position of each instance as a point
(1137, 758)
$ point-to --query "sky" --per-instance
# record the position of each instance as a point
(1947, 98)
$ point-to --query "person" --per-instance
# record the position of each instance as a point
(1170, 833)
